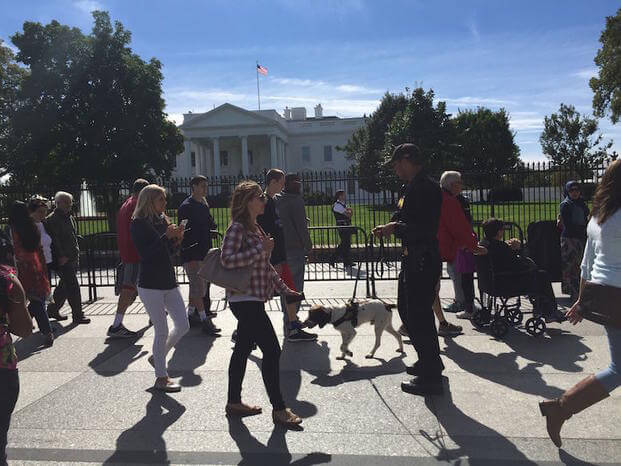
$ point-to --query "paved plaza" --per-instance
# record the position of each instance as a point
(89, 399)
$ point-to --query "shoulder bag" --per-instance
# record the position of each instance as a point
(600, 304)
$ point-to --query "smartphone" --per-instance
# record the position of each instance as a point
(184, 223)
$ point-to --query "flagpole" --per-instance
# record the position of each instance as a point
(258, 93)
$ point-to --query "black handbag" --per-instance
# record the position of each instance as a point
(600, 304)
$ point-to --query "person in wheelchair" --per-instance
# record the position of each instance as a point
(520, 272)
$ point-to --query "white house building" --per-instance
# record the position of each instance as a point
(229, 141)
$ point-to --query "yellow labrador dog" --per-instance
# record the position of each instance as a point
(346, 318)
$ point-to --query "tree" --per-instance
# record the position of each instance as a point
(426, 126)
(366, 145)
(607, 85)
(92, 109)
(11, 76)
(570, 140)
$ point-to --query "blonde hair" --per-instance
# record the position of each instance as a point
(243, 194)
(145, 207)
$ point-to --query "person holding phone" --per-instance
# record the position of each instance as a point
(197, 222)
(156, 239)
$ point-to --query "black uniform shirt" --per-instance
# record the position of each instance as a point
(418, 217)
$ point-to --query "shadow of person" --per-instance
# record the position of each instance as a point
(571, 460)
(127, 350)
(480, 444)
(561, 351)
(190, 354)
(275, 453)
(351, 372)
(144, 442)
(502, 369)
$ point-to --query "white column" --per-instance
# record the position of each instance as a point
(273, 154)
(187, 159)
(281, 154)
(284, 156)
(244, 155)
(216, 157)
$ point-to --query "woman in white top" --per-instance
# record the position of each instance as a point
(601, 264)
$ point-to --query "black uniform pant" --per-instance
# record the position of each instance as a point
(344, 248)
(416, 294)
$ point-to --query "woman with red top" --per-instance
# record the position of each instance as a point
(31, 266)
(14, 319)
(245, 244)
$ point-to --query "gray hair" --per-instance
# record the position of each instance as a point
(448, 178)
(63, 196)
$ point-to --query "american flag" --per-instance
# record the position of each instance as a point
(261, 69)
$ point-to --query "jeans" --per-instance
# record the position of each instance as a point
(37, 310)
(68, 289)
(416, 294)
(610, 377)
(254, 326)
(296, 263)
(9, 392)
(456, 279)
(157, 303)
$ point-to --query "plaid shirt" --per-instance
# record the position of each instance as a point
(241, 248)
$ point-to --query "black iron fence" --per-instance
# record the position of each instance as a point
(523, 195)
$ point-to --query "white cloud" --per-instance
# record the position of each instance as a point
(476, 101)
(298, 82)
(88, 5)
(474, 30)
(586, 73)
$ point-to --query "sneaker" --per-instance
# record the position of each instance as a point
(167, 385)
(453, 307)
(209, 328)
(464, 315)
(121, 332)
(446, 329)
(403, 331)
(296, 335)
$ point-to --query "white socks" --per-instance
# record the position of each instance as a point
(118, 319)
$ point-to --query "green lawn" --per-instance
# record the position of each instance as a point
(366, 217)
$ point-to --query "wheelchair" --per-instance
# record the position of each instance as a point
(501, 299)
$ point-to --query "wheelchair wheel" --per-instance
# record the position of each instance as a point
(480, 317)
(499, 327)
(535, 326)
(515, 317)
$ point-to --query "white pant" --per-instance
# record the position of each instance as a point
(157, 302)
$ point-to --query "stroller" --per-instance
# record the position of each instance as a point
(501, 297)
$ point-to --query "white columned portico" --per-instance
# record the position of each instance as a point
(187, 157)
(281, 154)
(244, 155)
(216, 156)
(273, 152)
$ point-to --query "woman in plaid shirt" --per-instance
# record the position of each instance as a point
(245, 244)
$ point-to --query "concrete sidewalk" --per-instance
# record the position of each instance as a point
(88, 399)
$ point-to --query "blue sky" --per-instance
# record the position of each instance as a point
(526, 56)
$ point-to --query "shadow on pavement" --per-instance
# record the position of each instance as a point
(351, 372)
(275, 453)
(474, 440)
(188, 353)
(144, 442)
(127, 349)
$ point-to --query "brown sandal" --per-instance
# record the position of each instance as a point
(286, 417)
(242, 410)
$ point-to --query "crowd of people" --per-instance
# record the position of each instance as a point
(269, 236)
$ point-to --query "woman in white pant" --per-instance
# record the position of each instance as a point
(156, 238)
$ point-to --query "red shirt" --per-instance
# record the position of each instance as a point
(129, 253)
(454, 230)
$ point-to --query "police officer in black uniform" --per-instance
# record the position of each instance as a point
(416, 224)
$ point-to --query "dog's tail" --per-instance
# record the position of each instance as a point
(389, 307)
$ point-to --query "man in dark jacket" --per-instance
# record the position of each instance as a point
(272, 225)
(62, 227)
(194, 211)
(416, 223)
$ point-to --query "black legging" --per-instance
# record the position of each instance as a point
(254, 326)
(9, 391)
(467, 286)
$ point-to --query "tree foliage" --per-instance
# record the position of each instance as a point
(90, 109)
(607, 85)
(569, 139)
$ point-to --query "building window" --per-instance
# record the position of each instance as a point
(224, 158)
(327, 153)
(193, 158)
(306, 154)
(250, 158)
